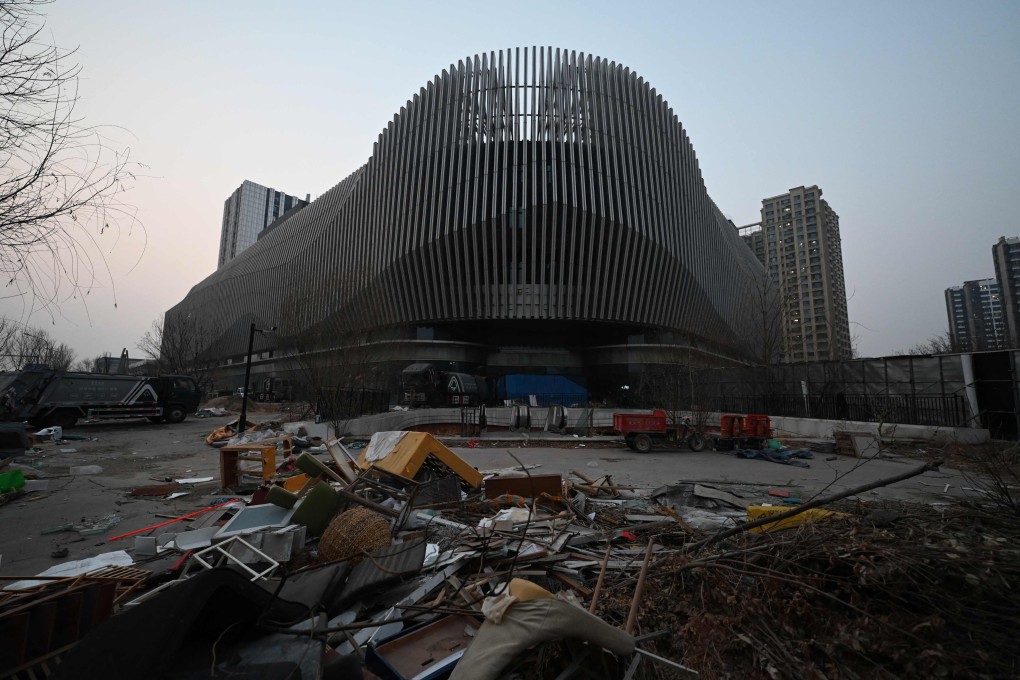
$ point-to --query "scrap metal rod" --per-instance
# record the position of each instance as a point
(157, 526)
(602, 578)
(639, 589)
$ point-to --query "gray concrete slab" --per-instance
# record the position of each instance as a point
(661, 467)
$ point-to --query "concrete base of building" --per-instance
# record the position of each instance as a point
(602, 418)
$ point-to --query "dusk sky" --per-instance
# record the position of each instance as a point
(904, 113)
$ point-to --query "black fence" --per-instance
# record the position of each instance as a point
(943, 411)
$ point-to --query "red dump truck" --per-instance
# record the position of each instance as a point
(643, 430)
(46, 397)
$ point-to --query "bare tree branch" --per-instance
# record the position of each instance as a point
(179, 345)
(343, 372)
(942, 343)
(60, 179)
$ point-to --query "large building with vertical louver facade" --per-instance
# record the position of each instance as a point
(530, 210)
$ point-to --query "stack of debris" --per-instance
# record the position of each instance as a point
(822, 446)
(406, 562)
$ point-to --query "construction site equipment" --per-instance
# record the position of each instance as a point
(642, 430)
(746, 432)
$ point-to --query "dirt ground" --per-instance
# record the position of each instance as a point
(138, 453)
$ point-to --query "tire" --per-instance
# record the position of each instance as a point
(155, 419)
(63, 418)
(175, 414)
(696, 442)
(642, 443)
(629, 441)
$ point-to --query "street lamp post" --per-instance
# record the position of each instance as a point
(242, 424)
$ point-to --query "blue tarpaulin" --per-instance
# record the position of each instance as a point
(786, 457)
(546, 389)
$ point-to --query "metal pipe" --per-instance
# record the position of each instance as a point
(242, 423)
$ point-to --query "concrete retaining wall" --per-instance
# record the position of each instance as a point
(603, 418)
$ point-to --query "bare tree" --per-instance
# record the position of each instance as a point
(84, 365)
(343, 372)
(178, 346)
(943, 343)
(60, 179)
(20, 345)
(763, 313)
(675, 384)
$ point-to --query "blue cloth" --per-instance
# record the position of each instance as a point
(785, 457)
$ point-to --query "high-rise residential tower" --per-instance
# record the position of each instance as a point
(246, 213)
(959, 326)
(1006, 254)
(975, 316)
(798, 242)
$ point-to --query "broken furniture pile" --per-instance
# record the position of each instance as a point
(409, 563)
(401, 560)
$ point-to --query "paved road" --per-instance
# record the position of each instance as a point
(659, 468)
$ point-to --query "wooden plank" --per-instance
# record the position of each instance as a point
(574, 584)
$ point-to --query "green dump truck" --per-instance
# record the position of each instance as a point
(45, 397)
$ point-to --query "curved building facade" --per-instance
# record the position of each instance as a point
(532, 207)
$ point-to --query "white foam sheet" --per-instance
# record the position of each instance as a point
(117, 558)
(382, 444)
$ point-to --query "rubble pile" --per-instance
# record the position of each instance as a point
(406, 562)
(904, 593)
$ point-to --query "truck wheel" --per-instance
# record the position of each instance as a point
(175, 414)
(155, 419)
(629, 441)
(642, 443)
(62, 418)
(696, 442)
